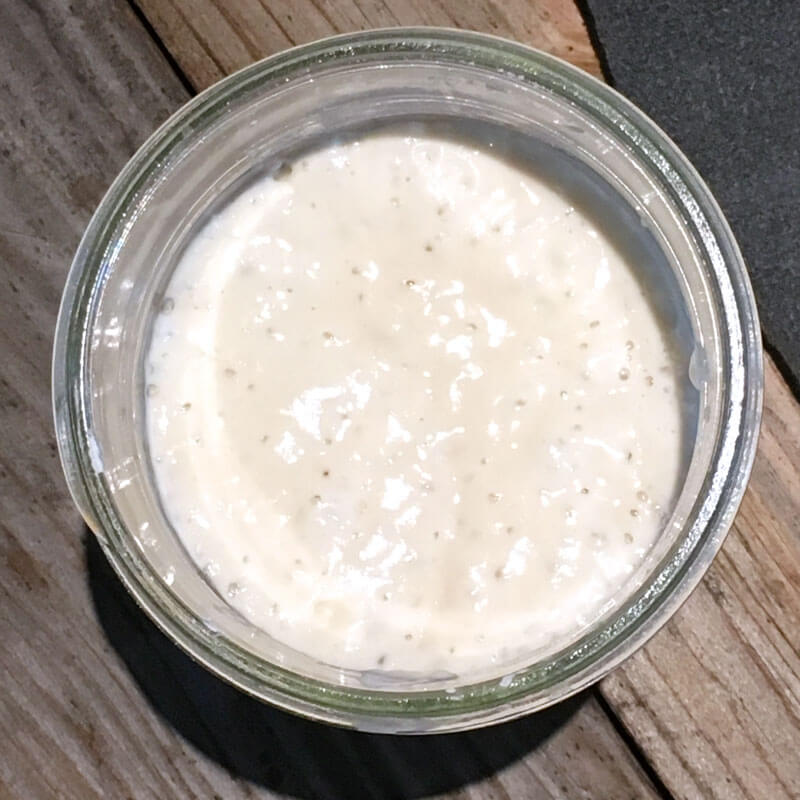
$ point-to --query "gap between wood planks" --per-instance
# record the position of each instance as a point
(163, 49)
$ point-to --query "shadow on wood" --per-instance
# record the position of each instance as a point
(282, 752)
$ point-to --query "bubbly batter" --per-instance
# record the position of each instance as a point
(409, 410)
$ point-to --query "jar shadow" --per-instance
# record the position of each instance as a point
(287, 754)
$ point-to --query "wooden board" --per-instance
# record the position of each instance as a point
(96, 703)
(212, 38)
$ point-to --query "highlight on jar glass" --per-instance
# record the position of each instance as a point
(409, 379)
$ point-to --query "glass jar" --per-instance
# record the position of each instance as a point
(305, 96)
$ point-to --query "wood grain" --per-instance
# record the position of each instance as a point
(96, 703)
(77, 94)
(714, 700)
(212, 38)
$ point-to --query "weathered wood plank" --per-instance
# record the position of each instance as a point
(212, 38)
(77, 94)
(713, 700)
(96, 703)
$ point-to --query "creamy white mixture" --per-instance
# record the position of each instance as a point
(409, 410)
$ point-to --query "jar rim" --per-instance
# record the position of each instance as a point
(542, 683)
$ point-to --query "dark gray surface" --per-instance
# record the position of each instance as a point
(723, 80)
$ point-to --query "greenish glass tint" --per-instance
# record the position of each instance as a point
(254, 118)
